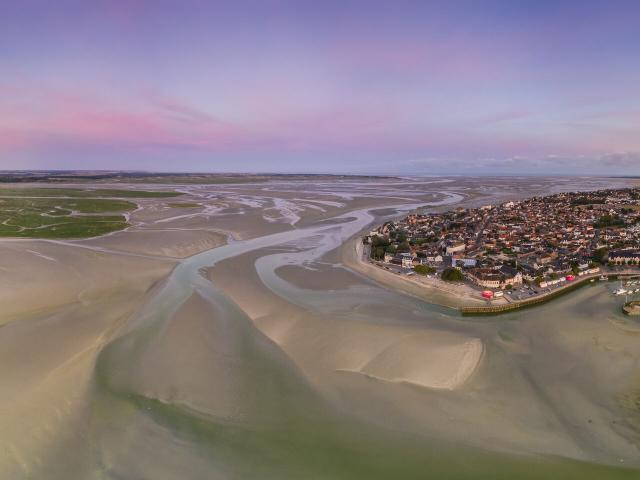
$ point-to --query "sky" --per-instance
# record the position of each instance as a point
(365, 87)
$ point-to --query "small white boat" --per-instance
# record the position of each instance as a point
(620, 291)
(603, 278)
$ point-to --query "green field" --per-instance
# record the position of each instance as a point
(84, 193)
(184, 205)
(59, 217)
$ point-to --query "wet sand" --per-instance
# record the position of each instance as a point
(275, 355)
(324, 345)
(60, 309)
(161, 242)
(337, 278)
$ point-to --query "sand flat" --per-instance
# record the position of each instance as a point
(166, 243)
(62, 306)
(38, 275)
(128, 364)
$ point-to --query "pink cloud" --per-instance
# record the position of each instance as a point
(36, 118)
(11, 141)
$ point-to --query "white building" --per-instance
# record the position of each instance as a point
(454, 247)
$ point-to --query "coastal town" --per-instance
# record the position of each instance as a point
(518, 248)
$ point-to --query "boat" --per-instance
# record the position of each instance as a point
(620, 291)
(603, 278)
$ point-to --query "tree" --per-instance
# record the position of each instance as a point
(377, 253)
(452, 275)
(553, 276)
(600, 255)
(539, 279)
(609, 221)
(424, 269)
(509, 287)
(403, 247)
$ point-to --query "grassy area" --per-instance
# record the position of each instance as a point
(84, 193)
(184, 205)
(61, 217)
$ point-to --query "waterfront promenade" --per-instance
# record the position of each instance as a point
(493, 309)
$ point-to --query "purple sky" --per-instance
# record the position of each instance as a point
(349, 87)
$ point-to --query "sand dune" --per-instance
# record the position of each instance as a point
(426, 362)
(425, 358)
(190, 363)
(421, 356)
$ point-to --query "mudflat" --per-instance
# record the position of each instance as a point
(239, 336)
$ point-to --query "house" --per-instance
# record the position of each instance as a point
(512, 275)
(624, 256)
(545, 259)
(434, 258)
(530, 272)
(466, 262)
(453, 247)
(495, 278)
(406, 260)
